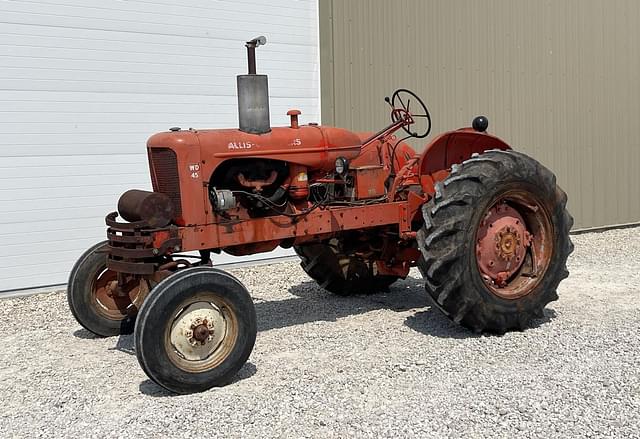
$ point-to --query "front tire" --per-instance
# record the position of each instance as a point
(495, 241)
(196, 330)
(94, 303)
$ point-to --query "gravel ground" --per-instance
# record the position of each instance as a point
(367, 366)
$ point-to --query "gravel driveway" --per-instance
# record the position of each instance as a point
(366, 366)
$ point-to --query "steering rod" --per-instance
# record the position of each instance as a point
(389, 129)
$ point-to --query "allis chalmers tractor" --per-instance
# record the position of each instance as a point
(487, 227)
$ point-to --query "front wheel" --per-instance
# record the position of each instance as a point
(196, 330)
(495, 241)
(96, 299)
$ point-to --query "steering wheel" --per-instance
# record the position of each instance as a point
(420, 119)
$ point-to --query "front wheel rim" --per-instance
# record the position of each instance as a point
(114, 301)
(201, 334)
(514, 244)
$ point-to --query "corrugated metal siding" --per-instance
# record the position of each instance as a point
(557, 79)
(84, 84)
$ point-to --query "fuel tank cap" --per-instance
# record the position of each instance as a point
(174, 129)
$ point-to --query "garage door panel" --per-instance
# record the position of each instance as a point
(214, 38)
(53, 169)
(228, 11)
(268, 8)
(106, 84)
(63, 225)
(38, 216)
(104, 187)
(69, 181)
(43, 57)
(47, 256)
(84, 85)
(87, 128)
(125, 48)
(86, 233)
(138, 72)
(130, 17)
(26, 207)
(59, 242)
(123, 119)
(39, 270)
(64, 110)
(41, 275)
(39, 54)
(166, 96)
(18, 146)
(91, 123)
(199, 30)
(79, 160)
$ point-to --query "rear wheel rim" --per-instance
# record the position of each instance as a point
(514, 244)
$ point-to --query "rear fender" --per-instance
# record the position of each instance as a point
(450, 148)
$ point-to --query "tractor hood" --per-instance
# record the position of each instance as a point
(313, 146)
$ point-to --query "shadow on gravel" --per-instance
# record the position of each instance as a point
(433, 322)
(149, 388)
(549, 314)
(124, 344)
(315, 304)
(85, 335)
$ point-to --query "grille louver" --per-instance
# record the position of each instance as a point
(164, 170)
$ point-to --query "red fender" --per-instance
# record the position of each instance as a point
(450, 148)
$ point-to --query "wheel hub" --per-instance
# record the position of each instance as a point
(116, 300)
(502, 243)
(507, 242)
(198, 330)
(200, 333)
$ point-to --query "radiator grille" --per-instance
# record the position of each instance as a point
(164, 175)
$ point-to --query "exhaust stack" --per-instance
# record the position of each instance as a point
(253, 94)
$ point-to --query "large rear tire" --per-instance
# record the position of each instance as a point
(341, 274)
(196, 330)
(94, 304)
(495, 241)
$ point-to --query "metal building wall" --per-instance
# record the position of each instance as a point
(559, 80)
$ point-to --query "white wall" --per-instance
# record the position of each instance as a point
(83, 84)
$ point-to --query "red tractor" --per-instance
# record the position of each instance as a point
(487, 227)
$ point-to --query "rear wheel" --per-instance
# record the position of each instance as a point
(96, 300)
(341, 274)
(196, 330)
(495, 241)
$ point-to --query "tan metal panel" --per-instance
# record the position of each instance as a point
(558, 80)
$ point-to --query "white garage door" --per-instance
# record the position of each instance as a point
(83, 83)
